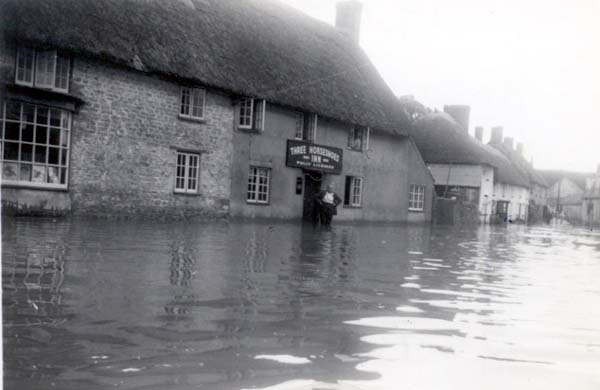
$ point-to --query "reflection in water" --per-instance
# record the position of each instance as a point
(133, 305)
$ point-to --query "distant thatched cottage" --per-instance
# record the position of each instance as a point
(189, 107)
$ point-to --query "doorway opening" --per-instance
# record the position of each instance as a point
(312, 186)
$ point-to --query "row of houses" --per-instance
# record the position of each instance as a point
(229, 108)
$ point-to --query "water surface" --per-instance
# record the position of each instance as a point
(191, 305)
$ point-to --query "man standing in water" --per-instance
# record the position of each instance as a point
(328, 202)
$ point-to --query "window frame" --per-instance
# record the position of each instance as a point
(253, 194)
(36, 55)
(191, 103)
(353, 191)
(306, 126)
(63, 147)
(187, 178)
(416, 197)
(255, 121)
(364, 142)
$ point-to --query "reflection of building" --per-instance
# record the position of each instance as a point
(199, 112)
(32, 286)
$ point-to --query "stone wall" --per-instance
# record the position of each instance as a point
(124, 143)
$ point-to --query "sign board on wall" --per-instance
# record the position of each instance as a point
(301, 154)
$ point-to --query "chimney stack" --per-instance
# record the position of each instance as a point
(497, 135)
(479, 133)
(508, 143)
(347, 18)
(460, 113)
(520, 148)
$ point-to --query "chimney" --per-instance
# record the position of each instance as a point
(347, 18)
(508, 143)
(497, 135)
(460, 113)
(520, 148)
(479, 133)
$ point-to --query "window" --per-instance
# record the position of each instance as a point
(43, 69)
(353, 191)
(192, 103)
(416, 197)
(251, 114)
(358, 138)
(306, 126)
(186, 179)
(35, 144)
(259, 180)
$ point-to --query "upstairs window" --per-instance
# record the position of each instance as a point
(416, 197)
(192, 103)
(251, 114)
(306, 126)
(353, 191)
(186, 179)
(46, 69)
(358, 138)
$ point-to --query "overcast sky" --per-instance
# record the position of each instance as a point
(531, 66)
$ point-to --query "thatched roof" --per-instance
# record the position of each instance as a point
(259, 48)
(552, 176)
(521, 164)
(441, 140)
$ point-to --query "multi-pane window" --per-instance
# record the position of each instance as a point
(35, 144)
(358, 138)
(43, 69)
(259, 179)
(306, 126)
(192, 103)
(251, 114)
(416, 197)
(186, 178)
(353, 191)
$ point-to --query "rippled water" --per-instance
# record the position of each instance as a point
(132, 305)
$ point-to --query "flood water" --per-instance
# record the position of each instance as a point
(196, 305)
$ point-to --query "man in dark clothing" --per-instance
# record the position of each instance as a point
(327, 201)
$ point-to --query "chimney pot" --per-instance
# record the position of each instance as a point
(347, 18)
(497, 135)
(508, 143)
(520, 148)
(460, 113)
(479, 133)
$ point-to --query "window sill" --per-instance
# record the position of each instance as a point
(347, 206)
(357, 150)
(33, 186)
(191, 119)
(43, 96)
(187, 193)
(416, 210)
(250, 131)
(258, 204)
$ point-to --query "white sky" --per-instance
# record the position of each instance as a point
(532, 66)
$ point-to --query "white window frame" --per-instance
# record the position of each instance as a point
(251, 114)
(188, 176)
(416, 197)
(60, 127)
(365, 134)
(193, 94)
(299, 132)
(53, 57)
(255, 188)
(354, 191)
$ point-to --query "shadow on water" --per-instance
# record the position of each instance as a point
(137, 305)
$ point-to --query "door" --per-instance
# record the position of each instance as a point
(312, 186)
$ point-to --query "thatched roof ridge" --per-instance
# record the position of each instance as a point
(259, 48)
(521, 164)
(441, 140)
(552, 176)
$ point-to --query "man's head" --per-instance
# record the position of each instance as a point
(329, 188)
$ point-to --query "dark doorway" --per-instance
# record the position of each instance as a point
(312, 185)
(502, 210)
